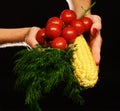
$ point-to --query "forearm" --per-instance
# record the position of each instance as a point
(80, 5)
(13, 35)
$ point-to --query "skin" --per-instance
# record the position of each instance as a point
(16, 35)
(77, 4)
(95, 31)
(27, 34)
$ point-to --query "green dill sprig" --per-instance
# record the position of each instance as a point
(41, 70)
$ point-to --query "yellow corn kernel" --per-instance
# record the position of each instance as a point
(85, 69)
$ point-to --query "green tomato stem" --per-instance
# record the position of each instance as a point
(85, 11)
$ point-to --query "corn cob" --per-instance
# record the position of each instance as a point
(85, 69)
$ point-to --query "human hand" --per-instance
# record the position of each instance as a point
(96, 38)
(30, 38)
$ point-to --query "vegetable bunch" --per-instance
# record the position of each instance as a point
(61, 31)
(63, 58)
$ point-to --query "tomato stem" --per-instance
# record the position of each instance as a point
(86, 10)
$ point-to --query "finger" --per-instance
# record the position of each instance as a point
(96, 26)
(30, 39)
(94, 32)
(95, 45)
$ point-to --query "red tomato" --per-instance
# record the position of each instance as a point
(69, 33)
(59, 42)
(53, 30)
(87, 22)
(67, 16)
(41, 35)
(78, 25)
(55, 20)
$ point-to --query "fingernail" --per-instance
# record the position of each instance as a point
(94, 32)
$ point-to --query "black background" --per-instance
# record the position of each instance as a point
(104, 96)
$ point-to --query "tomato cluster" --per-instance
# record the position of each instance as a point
(61, 31)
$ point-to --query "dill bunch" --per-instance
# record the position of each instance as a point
(40, 70)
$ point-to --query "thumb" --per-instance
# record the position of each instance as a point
(30, 39)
